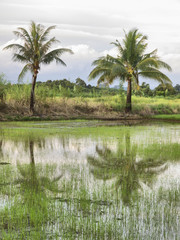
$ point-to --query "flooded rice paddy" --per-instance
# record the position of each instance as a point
(89, 180)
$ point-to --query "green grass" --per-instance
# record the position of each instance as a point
(93, 213)
(168, 116)
(16, 106)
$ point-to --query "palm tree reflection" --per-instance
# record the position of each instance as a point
(36, 185)
(123, 166)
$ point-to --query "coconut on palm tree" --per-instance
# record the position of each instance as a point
(35, 51)
(131, 63)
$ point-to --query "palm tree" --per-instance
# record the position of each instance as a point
(130, 64)
(35, 51)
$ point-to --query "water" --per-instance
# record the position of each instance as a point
(89, 180)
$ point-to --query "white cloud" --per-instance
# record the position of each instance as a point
(174, 61)
(88, 27)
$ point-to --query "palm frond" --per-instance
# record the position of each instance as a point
(98, 61)
(119, 70)
(19, 58)
(27, 67)
(24, 38)
(151, 54)
(46, 33)
(23, 33)
(102, 79)
(147, 62)
(155, 74)
(33, 30)
(119, 46)
(162, 64)
(98, 71)
(15, 47)
(54, 55)
(58, 60)
(44, 48)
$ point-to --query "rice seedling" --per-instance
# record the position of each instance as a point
(86, 180)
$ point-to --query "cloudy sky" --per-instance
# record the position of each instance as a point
(88, 27)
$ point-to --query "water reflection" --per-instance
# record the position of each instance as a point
(31, 179)
(2, 157)
(55, 191)
(126, 167)
(33, 185)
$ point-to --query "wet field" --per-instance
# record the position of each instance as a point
(89, 180)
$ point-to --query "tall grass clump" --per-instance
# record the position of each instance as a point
(155, 105)
(18, 94)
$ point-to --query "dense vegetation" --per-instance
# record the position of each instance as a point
(66, 99)
(79, 88)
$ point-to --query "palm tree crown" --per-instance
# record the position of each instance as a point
(130, 63)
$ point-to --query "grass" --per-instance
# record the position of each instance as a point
(94, 213)
(16, 106)
(167, 116)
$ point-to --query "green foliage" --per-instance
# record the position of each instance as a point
(51, 95)
(20, 93)
(177, 88)
(144, 90)
(3, 86)
(64, 92)
(65, 88)
(168, 116)
(80, 82)
(164, 90)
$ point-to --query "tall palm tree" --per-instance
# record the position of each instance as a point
(35, 51)
(131, 63)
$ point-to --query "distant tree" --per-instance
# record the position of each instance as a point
(66, 84)
(104, 85)
(48, 82)
(164, 90)
(144, 90)
(130, 64)
(177, 88)
(89, 86)
(35, 51)
(80, 82)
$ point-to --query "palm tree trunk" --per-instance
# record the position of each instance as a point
(128, 100)
(32, 92)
